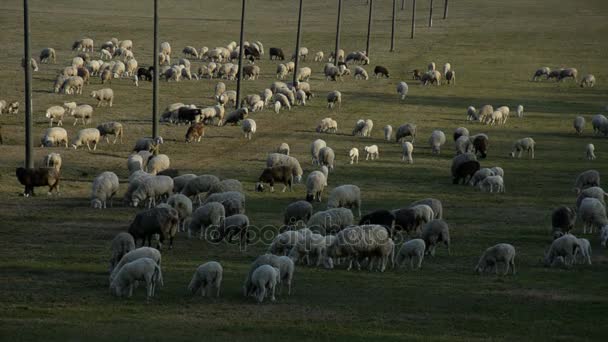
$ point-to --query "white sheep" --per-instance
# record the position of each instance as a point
(233, 202)
(48, 55)
(196, 186)
(590, 151)
(304, 74)
(158, 163)
(150, 189)
(353, 154)
(143, 269)
(480, 175)
(327, 157)
(315, 147)
(520, 111)
(315, 184)
(565, 246)
(277, 107)
(592, 213)
(436, 140)
(498, 171)
(122, 244)
(491, 183)
(505, 113)
(345, 196)
(502, 252)
(306, 247)
(331, 220)
(598, 122)
(55, 113)
(408, 149)
(372, 151)
(105, 187)
(278, 159)
(388, 132)
(521, 145)
(409, 250)
(584, 249)
(209, 215)
(333, 98)
(135, 162)
(265, 278)
(586, 179)
(82, 112)
(207, 277)
(249, 128)
(433, 233)
(402, 89)
(579, 124)
(286, 271)
(183, 206)
(54, 136)
(319, 56)
(361, 73)
(86, 137)
(283, 149)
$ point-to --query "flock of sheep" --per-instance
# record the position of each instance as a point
(207, 207)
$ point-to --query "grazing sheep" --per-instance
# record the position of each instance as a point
(353, 154)
(315, 184)
(521, 145)
(48, 55)
(562, 221)
(584, 249)
(402, 89)
(233, 201)
(450, 76)
(225, 186)
(330, 220)
(565, 247)
(147, 144)
(333, 98)
(327, 157)
(490, 183)
(594, 192)
(158, 163)
(345, 196)
(360, 73)
(459, 132)
(544, 71)
(111, 128)
(265, 279)
(304, 74)
(82, 112)
(588, 81)
(464, 166)
(122, 244)
(276, 53)
(319, 56)
(381, 71)
(269, 175)
(472, 114)
(480, 175)
(388, 132)
(72, 85)
(315, 147)
(568, 73)
(234, 225)
(278, 159)
(404, 131)
(31, 178)
(55, 113)
(599, 123)
(436, 140)
(433, 203)
(435, 232)
(53, 160)
(54, 136)
(586, 179)
(480, 145)
(579, 125)
(152, 188)
(210, 215)
(520, 111)
(463, 145)
(199, 185)
(593, 214)
(283, 149)
(180, 182)
(105, 187)
(409, 250)
(502, 252)
(356, 243)
(183, 205)
(143, 269)
(589, 151)
(309, 245)
(207, 277)
(327, 125)
(160, 220)
(381, 217)
(236, 116)
(297, 211)
(86, 137)
(408, 149)
(249, 128)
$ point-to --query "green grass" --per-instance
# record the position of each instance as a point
(53, 260)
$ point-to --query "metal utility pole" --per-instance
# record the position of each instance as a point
(445, 9)
(413, 18)
(155, 75)
(369, 26)
(393, 27)
(240, 75)
(29, 143)
(402, 5)
(338, 31)
(431, 14)
(296, 68)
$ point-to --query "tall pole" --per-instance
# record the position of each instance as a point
(393, 27)
(29, 143)
(413, 18)
(431, 14)
(338, 31)
(445, 9)
(295, 72)
(402, 5)
(241, 50)
(155, 75)
(369, 26)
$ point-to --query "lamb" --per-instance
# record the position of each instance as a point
(278, 159)
(502, 252)
(579, 125)
(584, 249)
(408, 149)
(208, 276)
(435, 232)
(404, 131)
(234, 225)
(233, 201)
(55, 113)
(372, 151)
(353, 154)
(183, 205)
(330, 221)
(435, 205)
(388, 132)
(463, 166)
(492, 182)
(269, 175)
(53, 160)
(315, 184)
(588, 81)
(315, 147)
(593, 214)
(48, 55)
(586, 179)
(265, 278)
(565, 247)
(283, 149)
(327, 125)
(521, 145)
(544, 71)
(333, 98)
(589, 151)
(327, 157)
(210, 215)
(143, 269)
(54, 136)
(235, 116)
(381, 71)
(86, 137)
(562, 221)
(122, 244)
(436, 140)
(162, 221)
(105, 187)
(402, 89)
(249, 128)
(111, 128)
(198, 185)
(297, 211)
(147, 144)
(152, 188)
(31, 178)
(345, 196)
(409, 250)
(82, 112)
(158, 163)
(480, 175)
(361, 73)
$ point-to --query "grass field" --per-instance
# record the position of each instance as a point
(53, 260)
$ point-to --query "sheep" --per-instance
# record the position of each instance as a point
(521, 145)
(48, 55)
(198, 185)
(150, 189)
(408, 149)
(82, 112)
(249, 128)
(463, 166)
(283, 149)
(278, 159)
(567, 73)
(282, 100)
(86, 137)
(55, 113)
(183, 205)
(333, 98)
(595, 192)
(485, 112)
(135, 162)
(588, 81)
(544, 71)
(584, 249)
(315, 147)
(234, 225)
(496, 117)
(353, 154)
(463, 145)
(562, 221)
(459, 132)
(225, 186)
(579, 125)
(160, 220)
(599, 123)
(105, 187)
(157, 164)
(210, 215)
(492, 182)
(105, 76)
(402, 89)
(143, 269)
(327, 125)
(565, 247)
(480, 144)
(586, 179)
(330, 221)
(372, 151)
(251, 72)
(358, 242)
(315, 184)
(31, 178)
(603, 236)
(319, 56)
(276, 53)
(265, 278)
(480, 175)
(404, 131)
(502, 252)
(207, 276)
(381, 217)
(327, 157)
(303, 74)
(388, 132)
(308, 245)
(53, 160)
(412, 218)
(520, 111)
(283, 173)
(236, 116)
(111, 128)
(450, 76)
(345, 196)
(122, 244)
(381, 71)
(472, 114)
(435, 232)
(233, 201)
(436, 140)
(593, 214)
(409, 250)
(589, 151)
(147, 144)
(72, 85)
(434, 204)
(134, 254)
(297, 211)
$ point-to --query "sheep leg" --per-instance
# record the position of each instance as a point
(512, 262)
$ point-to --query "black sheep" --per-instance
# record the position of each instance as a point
(145, 74)
(251, 51)
(31, 178)
(276, 53)
(480, 143)
(382, 217)
(274, 174)
(464, 170)
(407, 220)
(382, 71)
(562, 221)
(189, 115)
(162, 221)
